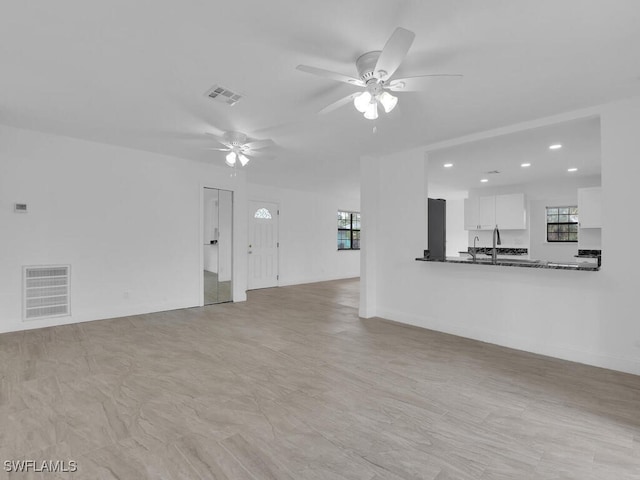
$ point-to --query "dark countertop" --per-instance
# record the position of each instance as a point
(589, 253)
(542, 264)
(500, 250)
(597, 254)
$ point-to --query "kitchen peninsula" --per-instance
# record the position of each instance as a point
(511, 262)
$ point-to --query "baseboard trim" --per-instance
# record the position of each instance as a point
(564, 352)
(92, 316)
(302, 281)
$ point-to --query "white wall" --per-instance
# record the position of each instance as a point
(128, 222)
(549, 194)
(539, 248)
(308, 234)
(589, 317)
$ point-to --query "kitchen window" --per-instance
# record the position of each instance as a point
(348, 230)
(562, 224)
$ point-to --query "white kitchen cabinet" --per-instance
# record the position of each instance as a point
(510, 212)
(487, 212)
(479, 213)
(471, 214)
(590, 207)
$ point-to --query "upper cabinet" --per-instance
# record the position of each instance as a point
(471, 221)
(508, 212)
(487, 213)
(511, 212)
(590, 207)
(479, 213)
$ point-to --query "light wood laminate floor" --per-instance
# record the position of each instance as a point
(293, 385)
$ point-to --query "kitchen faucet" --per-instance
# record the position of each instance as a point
(496, 241)
(473, 250)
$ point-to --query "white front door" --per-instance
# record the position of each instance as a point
(263, 245)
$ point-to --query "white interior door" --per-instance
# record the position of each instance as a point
(263, 245)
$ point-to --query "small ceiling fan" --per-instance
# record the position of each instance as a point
(375, 72)
(241, 148)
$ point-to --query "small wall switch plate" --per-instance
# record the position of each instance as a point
(20, 207)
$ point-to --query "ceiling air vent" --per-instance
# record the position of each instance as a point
(45, 291)
(223, 95)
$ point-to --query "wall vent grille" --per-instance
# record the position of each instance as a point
(223, 95)
(45, 291)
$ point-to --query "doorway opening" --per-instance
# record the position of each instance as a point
(217, 245)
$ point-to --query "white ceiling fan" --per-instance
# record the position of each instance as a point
(241, 148)
(375, 72)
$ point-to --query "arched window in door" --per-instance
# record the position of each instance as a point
(262, 213)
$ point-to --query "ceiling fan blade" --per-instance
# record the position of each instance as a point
(257, 144)
(258, 153)
(218, 139)
(417, 83)
(394, 52)
(331, 75)
(340, 103)
(220, 149)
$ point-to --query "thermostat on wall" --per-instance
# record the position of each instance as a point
(20, 207)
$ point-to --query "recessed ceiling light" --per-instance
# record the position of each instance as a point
(555, 146)
(484, 180)
(525, 164)
(448, 165)
(572, 169)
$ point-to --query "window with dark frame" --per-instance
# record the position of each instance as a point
(348, 230)
(562, 224)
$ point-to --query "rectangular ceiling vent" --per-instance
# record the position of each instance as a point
(45, 291)
(223, 95)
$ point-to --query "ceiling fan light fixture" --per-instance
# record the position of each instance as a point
(362, 101)
(388, 101)
(243, 160)
(231, 159)
(371, 113)
(376, 70)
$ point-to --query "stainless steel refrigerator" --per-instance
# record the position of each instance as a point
(437, 231)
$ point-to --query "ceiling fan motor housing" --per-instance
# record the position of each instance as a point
(366, 64)
(236, 139)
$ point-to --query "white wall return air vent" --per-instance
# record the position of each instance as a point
(45, 291)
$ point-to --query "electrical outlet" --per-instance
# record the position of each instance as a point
(126, 295)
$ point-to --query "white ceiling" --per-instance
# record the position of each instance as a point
(134, 73)
(580, 140)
